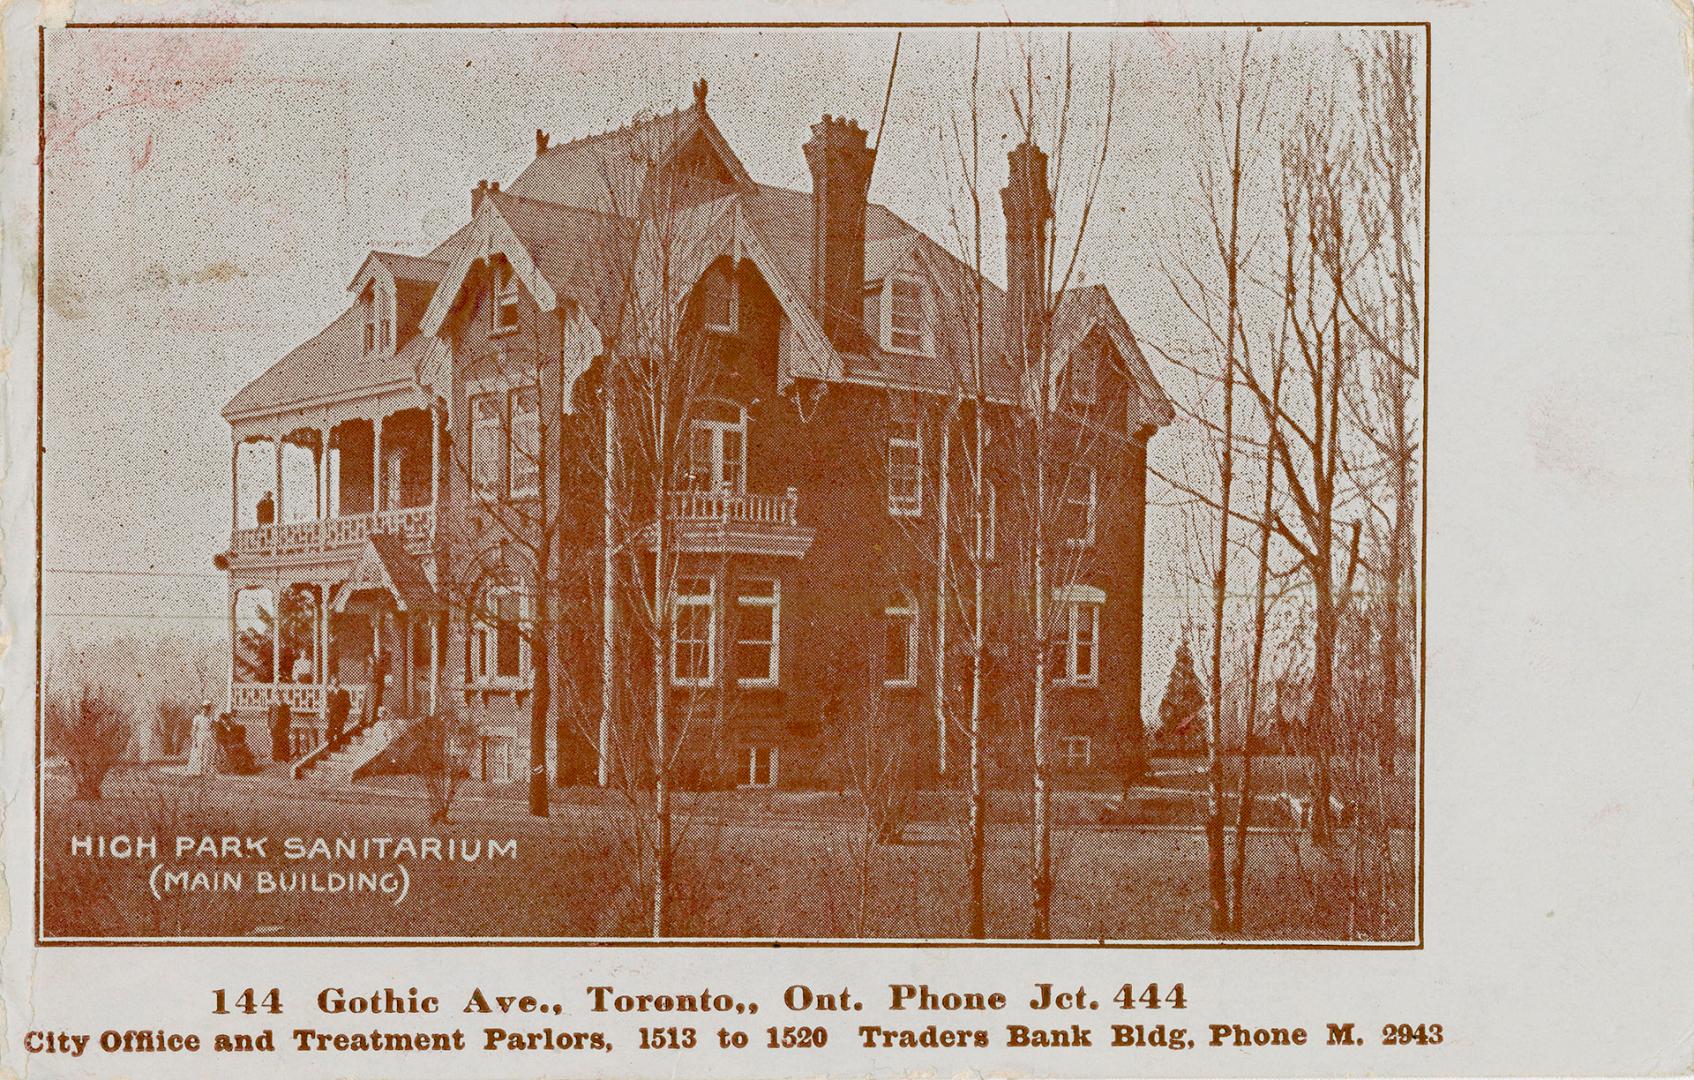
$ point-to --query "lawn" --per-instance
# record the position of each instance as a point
(749, 865)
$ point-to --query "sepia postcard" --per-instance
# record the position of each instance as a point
(642, 541)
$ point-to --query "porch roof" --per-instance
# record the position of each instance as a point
(385, 565)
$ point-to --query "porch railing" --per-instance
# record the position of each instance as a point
(415, 523)
(781, 509)
(302, 698)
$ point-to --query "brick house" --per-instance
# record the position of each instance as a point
(812, 511)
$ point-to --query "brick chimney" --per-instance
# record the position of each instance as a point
(841, 176)
(541, 141)
(483, 187)
(1029, 210)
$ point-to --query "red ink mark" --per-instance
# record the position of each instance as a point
(139, 163)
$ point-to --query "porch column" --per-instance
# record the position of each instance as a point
(276, 631)
(234, 487)
(434, 664)
(376, 465)
(276, 443)
(406, 661)
(941, 538)
(434, 458)
(229, 698)
(323, 473)
(321, 625)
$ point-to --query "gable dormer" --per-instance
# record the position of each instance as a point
(391, 291)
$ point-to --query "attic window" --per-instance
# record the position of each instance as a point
(719, 304)
(1083, 377)
(505, 308)
(905, 316)
(369, 303)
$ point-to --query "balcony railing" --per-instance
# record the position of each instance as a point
(414, 523)
(302, 698)
(730, 506)
(731, 522)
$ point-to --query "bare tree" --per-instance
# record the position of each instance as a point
(1047, 439)
(660, 365)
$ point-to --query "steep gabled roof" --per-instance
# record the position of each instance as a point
(606, 171)
(583, 254)
(1080, 312)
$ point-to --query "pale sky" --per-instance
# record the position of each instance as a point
(211, 193)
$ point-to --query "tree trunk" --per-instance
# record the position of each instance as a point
(976, 864)
(1318, 716)
(661, 685)
(1042, 875)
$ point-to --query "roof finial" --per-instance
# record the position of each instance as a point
(700, 93)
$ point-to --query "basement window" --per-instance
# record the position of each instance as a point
(761, 766)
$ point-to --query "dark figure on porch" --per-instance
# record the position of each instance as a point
(280, 720)
(267, 509)
(379, 678)
(232, 745)
(336, 707)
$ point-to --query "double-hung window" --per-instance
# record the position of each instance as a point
(1082, 376)
(905, 471)
(1076, 751)
(758, 636)
(504, 310)
(485, 446)
(1081, 629)
(1080, 505)
(498, 646)
(693, 644)
(900, 640)
(370, 301)
(524, 448)
(905, 316)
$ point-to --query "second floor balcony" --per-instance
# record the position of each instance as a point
(725, 521)
(414, 524)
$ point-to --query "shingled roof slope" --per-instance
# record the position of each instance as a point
(606, 171)
(334, 360)
(583, 254)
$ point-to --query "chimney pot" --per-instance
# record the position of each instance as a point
(541, 140)
(477, 193)
(700, 93)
